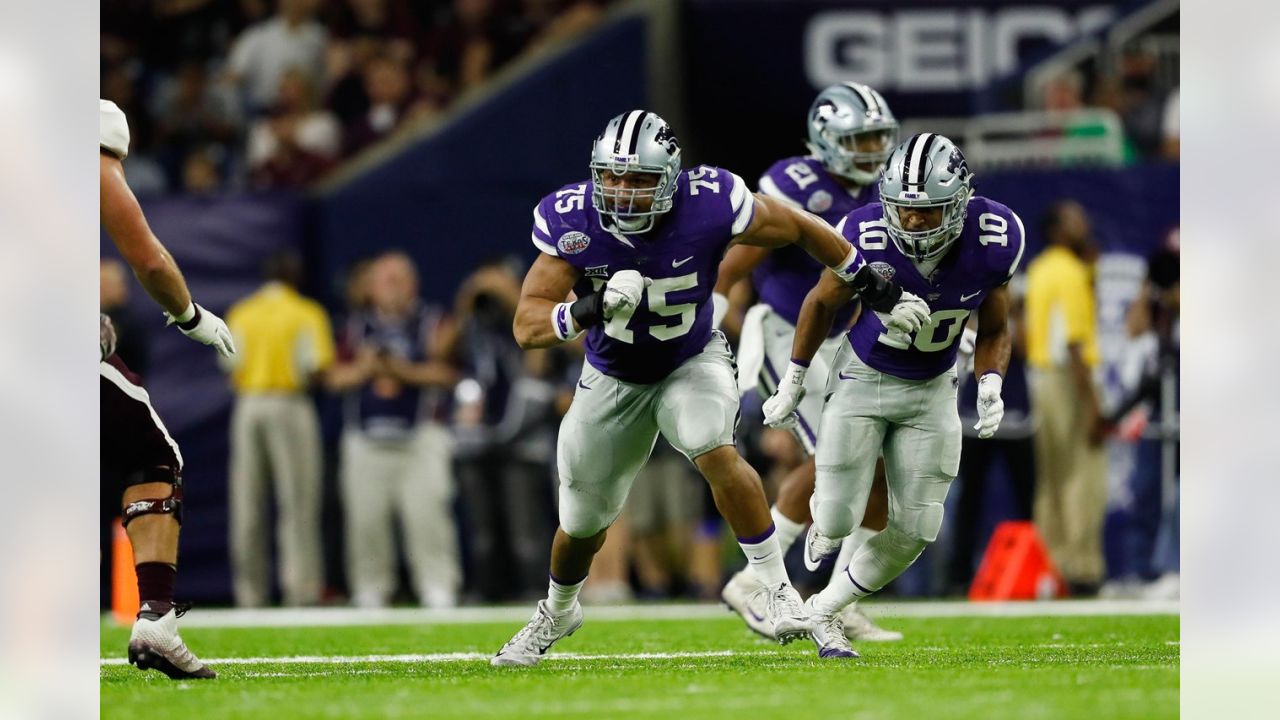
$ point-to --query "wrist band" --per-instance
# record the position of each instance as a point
(562, 322)
(192, 315)
(850, 266)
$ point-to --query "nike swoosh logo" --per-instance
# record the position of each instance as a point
(581, 385)
(845, 377)
(675, 264)
(964, 298)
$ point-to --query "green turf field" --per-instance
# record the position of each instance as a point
(959, 667)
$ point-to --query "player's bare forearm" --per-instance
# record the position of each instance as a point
(123, 219)
(817, 315)
(776, 224)
(821, 240)
(532, 326)
(737, 265)
(547, 284)
(995, 341)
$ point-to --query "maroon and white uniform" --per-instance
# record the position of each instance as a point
(136, 446)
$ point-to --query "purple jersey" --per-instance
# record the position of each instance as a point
(787, 274)
(984, 257)
(681, 255)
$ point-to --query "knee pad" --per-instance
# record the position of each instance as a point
(922, 523)
(834, 518)
(583, 515)
(171, 505)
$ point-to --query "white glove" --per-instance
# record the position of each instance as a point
(990, 406)
(905, 318)
(623, 292)
(208, 329)
(780, 409)
(909, 315)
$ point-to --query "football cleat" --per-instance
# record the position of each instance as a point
(818, 547)
(534, 639)
(828, 633)
(741, 595)
(860, 628)
(154, 644)
(784, 611)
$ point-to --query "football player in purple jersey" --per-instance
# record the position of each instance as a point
(894, 392)
(136, 448)
(851, 133)
(639, 245)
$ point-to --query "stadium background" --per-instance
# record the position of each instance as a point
(454, 188)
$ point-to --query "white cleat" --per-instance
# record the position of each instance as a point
(828, 634)
(154, 644)
(534, 639)
(783, 611)
(818, 547)
(860, 628)
(742, 596)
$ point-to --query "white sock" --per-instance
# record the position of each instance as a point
(841, 591)
(764, 557)
(562, 597)
(851, 543)
(787, 529)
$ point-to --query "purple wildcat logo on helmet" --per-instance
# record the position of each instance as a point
(956, 163)
(667, 139)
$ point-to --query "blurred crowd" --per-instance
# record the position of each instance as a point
(439, 467)
(274, 93)
(1136, 85)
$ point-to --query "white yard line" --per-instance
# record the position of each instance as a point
(330, 617)
(447, 657)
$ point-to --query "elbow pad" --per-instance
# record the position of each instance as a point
(879, 294)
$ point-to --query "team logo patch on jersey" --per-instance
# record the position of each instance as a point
(932, 296)
(819, 201)
(597, 271)
(573, 242)
(886, 270)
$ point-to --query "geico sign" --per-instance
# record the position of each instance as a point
(933, 50)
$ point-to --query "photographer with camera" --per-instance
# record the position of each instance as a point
(397, 452)
(505, 423)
